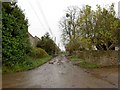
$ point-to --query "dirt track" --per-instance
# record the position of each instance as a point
(60, 73)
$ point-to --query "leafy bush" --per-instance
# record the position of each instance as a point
(40, 53)
(15, 41)
(48, 44)
(28, 64)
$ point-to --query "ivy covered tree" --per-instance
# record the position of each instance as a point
(15, 42)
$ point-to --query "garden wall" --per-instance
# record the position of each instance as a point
(102, 58)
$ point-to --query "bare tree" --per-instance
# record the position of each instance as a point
(68, 23)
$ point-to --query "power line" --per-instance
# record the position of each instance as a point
(43, 18)
(40, 8)
(36, 15)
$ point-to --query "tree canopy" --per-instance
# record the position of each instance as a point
(90, 28)
(48, 44)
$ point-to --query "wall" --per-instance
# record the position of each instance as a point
(102, 58)
(36, 39)
(32, 40)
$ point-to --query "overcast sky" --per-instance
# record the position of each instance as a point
(43, 14)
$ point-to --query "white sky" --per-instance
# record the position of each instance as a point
(41, 12)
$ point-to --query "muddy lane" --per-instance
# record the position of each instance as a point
(58, 73)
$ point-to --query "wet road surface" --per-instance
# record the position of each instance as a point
(61, 73)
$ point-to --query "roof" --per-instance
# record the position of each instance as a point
(30, 34)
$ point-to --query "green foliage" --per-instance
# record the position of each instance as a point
(90, 28)
(105, 28)
(48, 44)
(73, 45)
(88, 65)
(40, 53)
(99, 27)
(15, 42)
(80, 62)
(28, 64)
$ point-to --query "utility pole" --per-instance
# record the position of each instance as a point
(55, 46)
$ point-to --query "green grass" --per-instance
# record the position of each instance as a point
(88, 65)
(82, 63)
(27, 65)
(74, 58)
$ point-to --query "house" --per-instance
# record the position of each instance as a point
(32, 40)
(36, 40)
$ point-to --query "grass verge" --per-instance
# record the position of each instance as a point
(29, 64)
(80, 62)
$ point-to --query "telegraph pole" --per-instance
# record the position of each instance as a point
(55, 45)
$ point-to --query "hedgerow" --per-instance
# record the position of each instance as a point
(15, 41)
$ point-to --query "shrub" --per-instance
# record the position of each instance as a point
(40, 53)
(48, 44)
(15, 41)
